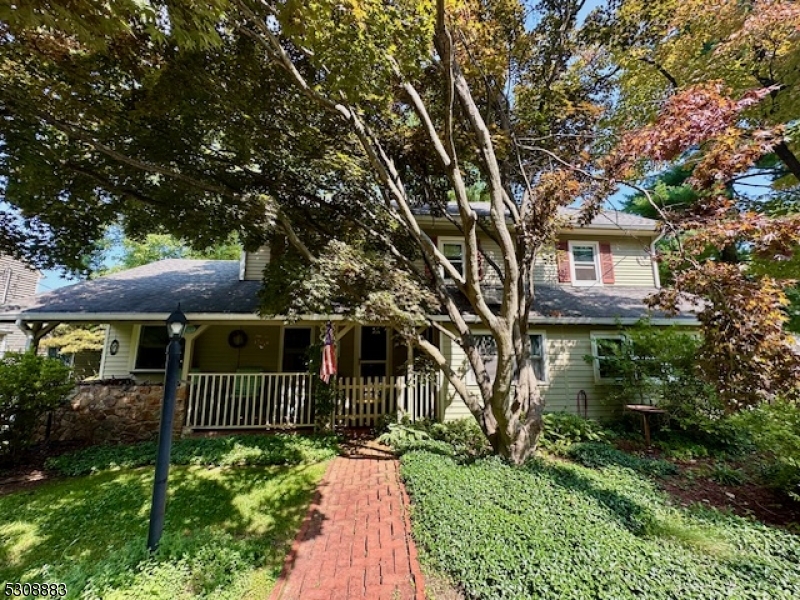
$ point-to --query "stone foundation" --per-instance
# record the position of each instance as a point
(103, 413)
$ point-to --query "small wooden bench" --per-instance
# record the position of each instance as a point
(645, 410)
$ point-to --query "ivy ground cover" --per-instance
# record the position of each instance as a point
(555, 530)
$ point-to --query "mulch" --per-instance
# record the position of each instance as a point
(30, 472)
(751, 500)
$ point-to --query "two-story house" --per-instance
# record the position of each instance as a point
(17, 289)
(244, 371)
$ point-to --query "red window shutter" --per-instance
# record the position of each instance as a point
(562, 258)
(428, 273)
(607, 263)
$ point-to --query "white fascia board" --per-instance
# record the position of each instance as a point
(156, 317)
(254, 318)
(688, 321)
(610, 230)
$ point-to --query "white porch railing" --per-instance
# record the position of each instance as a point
(249, 400)
(418, 400)
(266, 400)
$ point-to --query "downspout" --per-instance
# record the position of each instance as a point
(653, 261)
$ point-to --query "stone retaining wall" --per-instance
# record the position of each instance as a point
(103, 413)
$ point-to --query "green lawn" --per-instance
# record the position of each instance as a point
(227, 530)
(555, 530)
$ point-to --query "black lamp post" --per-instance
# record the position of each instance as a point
(176, 324)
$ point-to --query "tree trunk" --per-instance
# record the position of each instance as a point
(519, 422)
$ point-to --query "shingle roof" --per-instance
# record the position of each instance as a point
(201, 286)
(606, 219)
(213, 286)
(598, 302)
(611, 219)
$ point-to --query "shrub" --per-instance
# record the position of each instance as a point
(30, 385)
(775, 432)
(656, 364)
(235, 450)
(722, 473)
(561, 430)
(678, 446)
(462, 438)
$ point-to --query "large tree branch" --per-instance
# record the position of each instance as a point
(85, 137)
(448, 157)
(788, 158)
(660, 68)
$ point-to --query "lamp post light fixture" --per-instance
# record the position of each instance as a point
(176, 325)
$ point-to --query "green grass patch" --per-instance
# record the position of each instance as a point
(234, 450)
(555, 530)
(226, 534)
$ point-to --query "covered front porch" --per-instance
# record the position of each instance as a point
(248, 376)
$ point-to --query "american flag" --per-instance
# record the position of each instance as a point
(328, 367)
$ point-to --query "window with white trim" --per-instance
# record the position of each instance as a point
(584, 262)
(151, 350)
(453, 250)
(606, 348)
(487, 348)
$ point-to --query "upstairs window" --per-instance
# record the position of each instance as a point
(453, 250)
(584, 263)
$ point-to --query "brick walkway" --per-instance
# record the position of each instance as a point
(355, 541)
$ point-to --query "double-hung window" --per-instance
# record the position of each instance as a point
(607, 349)
(584, 259)
(453, 250)
(487, 348)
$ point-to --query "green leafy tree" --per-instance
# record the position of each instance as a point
(322, 127)
(159, 246)
(72, 339)
(30, 385)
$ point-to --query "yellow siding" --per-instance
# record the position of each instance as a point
(213, 354)
(17, 288)
(17, 282)
(119, 365)
(566, 368)
(255, 263)
(632, 264)
(12, 339)
(346, 354)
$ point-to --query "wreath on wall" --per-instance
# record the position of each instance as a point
(237, 338)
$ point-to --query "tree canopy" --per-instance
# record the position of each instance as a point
(324, 126)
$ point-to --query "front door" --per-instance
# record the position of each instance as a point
(373, 351)
(296, 341)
